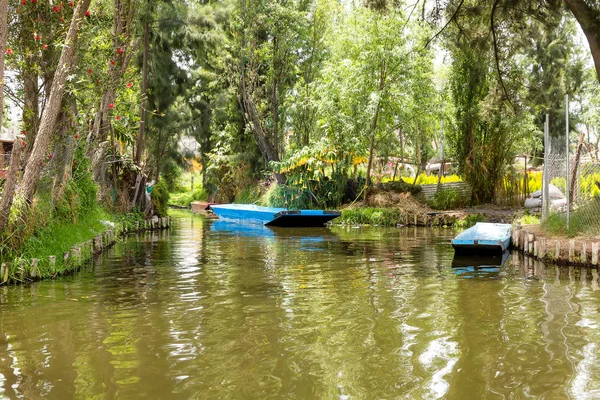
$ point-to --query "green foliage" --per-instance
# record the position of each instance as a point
(370, 216)
(160, 198)
(249, 195)
(469, 221)
(398, 187)
(185, 198)
(580, 223)
(446, 199)
(528, 219)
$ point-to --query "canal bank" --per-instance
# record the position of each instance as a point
(27, 269)
(580, 251)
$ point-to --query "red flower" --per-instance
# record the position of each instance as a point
(23, 143)
(55, 9)
(62, 19)
(76, 136)
(87, 13)
(89, 71)
(23, 133)
(23, 2)
(49, 156)
(34, 1)
(129, 85)
(112, 62)
(37, 37)
(45, 46)
(111, 106)
(71, 4)
(119, 50)
(9, 51)
(118, 117)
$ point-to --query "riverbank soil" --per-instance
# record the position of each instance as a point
(407, 203)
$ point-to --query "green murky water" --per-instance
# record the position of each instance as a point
(209, 312)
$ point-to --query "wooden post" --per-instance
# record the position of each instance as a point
(584, 253)
(571, 250)
(530, 240)
(525, 243)
(4, 272)
(21, 270)
(595, 253)
(415, 220)
(52, 263)
(557, 250)
(536, 248)
(34, 272)
(543, 247)
(66, 257)
(97, 244)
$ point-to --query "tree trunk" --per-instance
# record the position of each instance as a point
(66, 146)
(575, 168)
(140, 139)
(252, 118)
(32, 173)
(31, 111)
(589, 20)
(3, 37)
(380, 86)
(10, 184)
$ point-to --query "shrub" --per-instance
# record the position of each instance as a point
(370, 216)
(447, 199)
(160, 198)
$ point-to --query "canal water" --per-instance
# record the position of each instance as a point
(212, 310)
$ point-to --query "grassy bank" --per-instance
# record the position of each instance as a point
(391, 217)
(54, 239)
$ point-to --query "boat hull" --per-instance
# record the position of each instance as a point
(269, 216)
(483, 238)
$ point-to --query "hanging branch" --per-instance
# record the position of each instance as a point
(445, 25)
(496, 55)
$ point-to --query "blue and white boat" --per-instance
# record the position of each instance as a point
(484, 237)
(271, 216)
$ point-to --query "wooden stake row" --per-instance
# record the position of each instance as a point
(563, 252)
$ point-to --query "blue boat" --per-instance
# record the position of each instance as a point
(271, 216)
(484, 237)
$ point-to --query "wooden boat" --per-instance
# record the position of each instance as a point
(484, 237)
(271, 216)
(202, 207)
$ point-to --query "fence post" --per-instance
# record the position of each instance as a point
(567, 186)
(595, 253)
(545, 177)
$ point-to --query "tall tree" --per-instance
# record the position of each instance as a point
(3, 38)
(31, 176)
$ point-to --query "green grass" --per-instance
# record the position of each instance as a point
(185, 198)
(581, 222)
(183, 194)
(370, 216)
(59, 236)
(528, 219)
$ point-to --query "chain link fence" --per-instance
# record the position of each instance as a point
(571, 196)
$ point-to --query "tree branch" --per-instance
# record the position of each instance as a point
(496, 55)
(446, 25)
